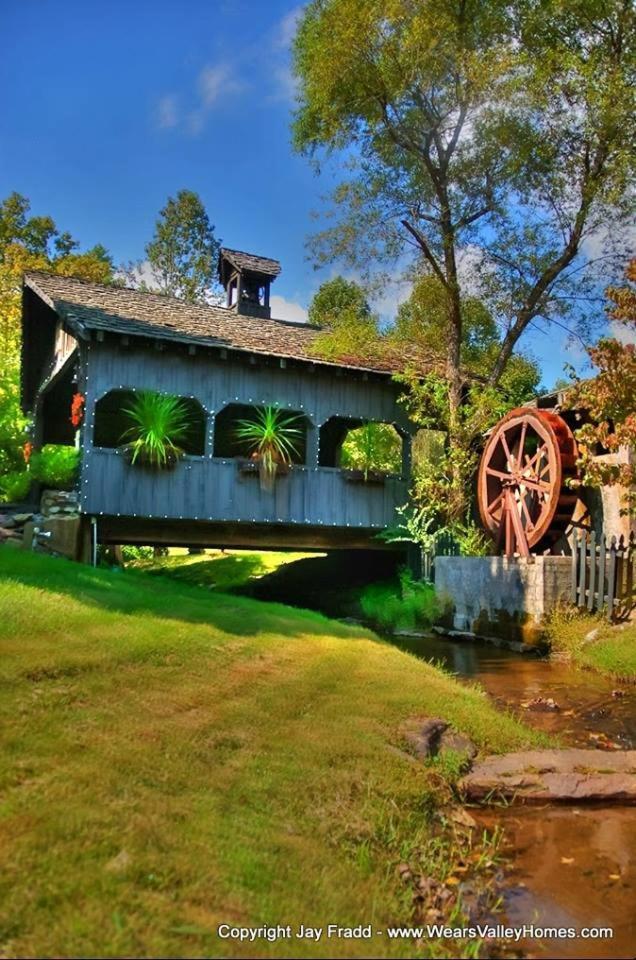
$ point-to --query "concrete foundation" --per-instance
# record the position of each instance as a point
(497, 598)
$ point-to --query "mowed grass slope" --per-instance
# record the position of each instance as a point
(590, 641)
(174, 759)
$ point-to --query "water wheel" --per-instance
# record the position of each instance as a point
(523, 497)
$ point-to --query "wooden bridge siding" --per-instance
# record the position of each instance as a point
(207, 488)
(211, 489)
(215, 383)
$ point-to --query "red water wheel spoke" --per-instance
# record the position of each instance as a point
(521, 479)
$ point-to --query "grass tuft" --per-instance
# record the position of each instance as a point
(590, 641)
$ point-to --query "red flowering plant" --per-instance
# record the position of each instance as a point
(77, 409)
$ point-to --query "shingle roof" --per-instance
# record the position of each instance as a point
(249, 261)
(94, 306)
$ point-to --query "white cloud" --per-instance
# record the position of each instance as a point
(386, 303)
(285, 84)
(621, 332)
(286, 29)
(216, 81)
(283, 309)
(168, 112)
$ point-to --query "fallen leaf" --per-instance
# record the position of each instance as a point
(614, 876)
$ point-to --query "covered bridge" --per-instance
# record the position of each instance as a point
(106, 342)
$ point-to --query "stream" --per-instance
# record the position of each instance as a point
(566, 866)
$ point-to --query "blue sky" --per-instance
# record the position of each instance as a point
(110, 107)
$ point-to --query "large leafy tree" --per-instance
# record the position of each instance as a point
(494, 134)
(183, 252)
(29, 243)
(335, 298)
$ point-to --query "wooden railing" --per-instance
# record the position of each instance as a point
(445, 546)
(603, 573)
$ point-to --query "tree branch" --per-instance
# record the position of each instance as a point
(426, 250)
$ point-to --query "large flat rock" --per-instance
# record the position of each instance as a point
(571, 775)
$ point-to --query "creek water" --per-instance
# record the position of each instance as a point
(565, 866)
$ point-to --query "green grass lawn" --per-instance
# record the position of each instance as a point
(175, 758)
(216, 569)
(592, 642)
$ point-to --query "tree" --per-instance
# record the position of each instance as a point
(349, 330)
(609, 397)
(334, 298)
(183, 252)
(441, 485)
(29, 243)
(502, 130)
(415, 343)
(421, 325)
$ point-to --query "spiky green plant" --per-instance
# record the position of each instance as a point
(271, 437)
(159, 423)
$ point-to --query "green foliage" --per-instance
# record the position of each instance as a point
(29, 243)
(183, 252)
(492, 136)
(15, 486)
(272, 436)
(425, 523)
(159, 422)
(421, 328)
(372, 447)
(132, 554)
(352, 337)
(592, 643)
(55, 466)
(33, 233)
(609, 399)
(336, 297)
(505, 128)
(407, 605)
(13, 423)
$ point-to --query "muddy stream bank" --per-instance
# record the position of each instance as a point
(567, 866)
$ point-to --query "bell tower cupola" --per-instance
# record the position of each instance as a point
(247, 280)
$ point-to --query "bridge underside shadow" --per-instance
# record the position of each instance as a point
(141, 531)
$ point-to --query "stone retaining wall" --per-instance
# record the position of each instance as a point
(498, 598)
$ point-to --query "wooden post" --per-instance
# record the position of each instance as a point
(582, 569)
(590, 595)
(629, 573)
(601, 571)
(611, 580)
(574, 566)
(414, 560)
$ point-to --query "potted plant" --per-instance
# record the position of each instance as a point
(159, 423)
(271, 437)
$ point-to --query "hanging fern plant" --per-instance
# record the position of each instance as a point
(160, 423)
(272, 438)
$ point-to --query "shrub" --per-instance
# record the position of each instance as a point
(130, 553)
(15, 486)
(55, 466)
(407, 605)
